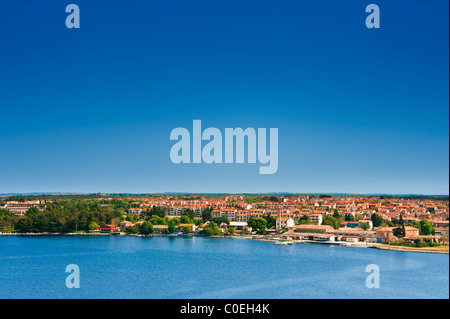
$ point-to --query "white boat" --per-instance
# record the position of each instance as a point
(282, 243)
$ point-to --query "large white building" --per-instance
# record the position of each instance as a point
(20, 208)
(227, 213)
(316, 219)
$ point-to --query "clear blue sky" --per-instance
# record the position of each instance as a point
(358, 110)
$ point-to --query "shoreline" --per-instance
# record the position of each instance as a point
(256, 238)
(411, 250)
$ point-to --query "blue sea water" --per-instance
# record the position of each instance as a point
(200, 267)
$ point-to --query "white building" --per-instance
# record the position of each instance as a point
(20, 208)
(316, 219)
(240, 226)
(227, 213)
(286, 222)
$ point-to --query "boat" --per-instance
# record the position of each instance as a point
(282, 243)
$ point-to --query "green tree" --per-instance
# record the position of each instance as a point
(185, 219)
(25, 225)
(187, 229)
(32, 210)
(257, 223)
(305, 220)
(130, 218)
(399, 232)
(7, 220)
(206, 214)
(157, 220)
(146, 228)
(231, 230)
(197, 221)
(365, 226)
(349, 218)
(401, 223)
(426, 228)
(173, 223)
(220, 220)
(376, 220)
(271, 221)
(132, 230)
(414, 223)
(190, 213)
(5, 212)
(156, 210)
(212, 229)
(93, 225)
(331, 221)
(117, 203)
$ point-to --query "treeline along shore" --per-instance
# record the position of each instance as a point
(100, 216)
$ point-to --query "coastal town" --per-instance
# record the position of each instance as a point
(344, 220)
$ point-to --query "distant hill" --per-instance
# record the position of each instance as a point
(287, 194)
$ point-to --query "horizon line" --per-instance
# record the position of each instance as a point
(215, 193)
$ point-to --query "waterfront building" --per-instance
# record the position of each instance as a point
(179, 228)
(161, 228)
(109, 228)
(386, 235)
(240, 227)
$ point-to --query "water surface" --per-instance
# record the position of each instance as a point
(199, 267)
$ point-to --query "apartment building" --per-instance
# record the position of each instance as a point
(20, 208)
